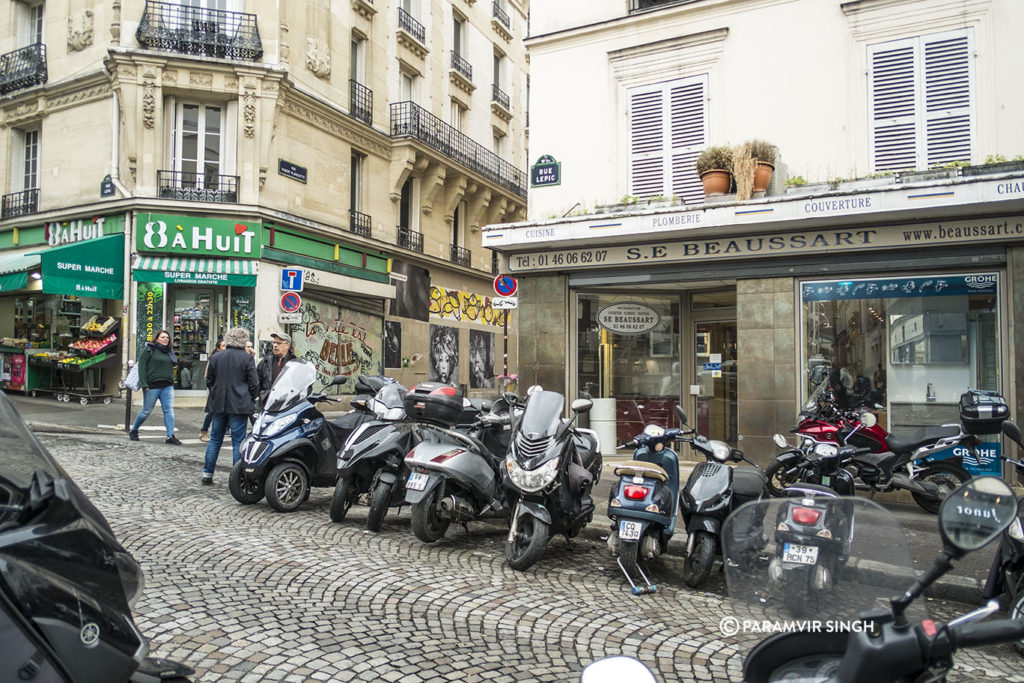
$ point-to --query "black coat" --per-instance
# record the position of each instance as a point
(265, 370)
(234, 386)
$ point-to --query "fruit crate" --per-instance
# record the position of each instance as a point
(107, 327)
(98, 349)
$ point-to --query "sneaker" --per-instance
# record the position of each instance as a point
(204, 435)
(207, 479)
(173, 441)
(134, 436)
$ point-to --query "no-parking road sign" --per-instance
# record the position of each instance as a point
(290, 302)
(505, 285)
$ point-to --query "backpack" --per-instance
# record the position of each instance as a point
(132, 380)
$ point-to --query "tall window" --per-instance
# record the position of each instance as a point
(30, 160)
(458, 115)
(499, 66)
(408, 88)
(459, 34)
(499, 144)
(197, 144)
(30, 24)
(457, 231)
(357, 67)
(355, 202)
(922, 110)
(405, 212)
(668, 128)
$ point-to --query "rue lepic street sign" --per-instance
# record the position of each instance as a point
(505, 303)
(546, 171)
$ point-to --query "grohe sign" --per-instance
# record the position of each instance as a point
(193, 235)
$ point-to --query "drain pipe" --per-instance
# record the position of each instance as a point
(115, 147)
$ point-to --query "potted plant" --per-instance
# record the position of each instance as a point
(714, 166)
(763, 153)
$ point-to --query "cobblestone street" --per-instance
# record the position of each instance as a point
(243, 593)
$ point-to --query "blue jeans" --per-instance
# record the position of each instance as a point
(207, 419)
(149, 398)
(218, 426)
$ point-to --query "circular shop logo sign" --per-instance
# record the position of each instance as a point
(628, 317)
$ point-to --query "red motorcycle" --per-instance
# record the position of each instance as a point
(917, 461)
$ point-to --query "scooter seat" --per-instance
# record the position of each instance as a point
(911, 441)
(748, 481)
(635, 468)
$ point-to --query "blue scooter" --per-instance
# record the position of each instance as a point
(643, 503)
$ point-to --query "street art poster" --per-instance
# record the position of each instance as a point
(444, 354)
(481, 360)
(392, 344)
(410, 291)
(338, 341)
(452, 304)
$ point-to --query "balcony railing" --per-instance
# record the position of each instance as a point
(23, 68)
(461, 256)
(360, 223)
(408, 239)
(20, 203)
(501, 97)
(360, 102)
(642, 5)
(411, 26)
(197, 187)
(462, 66)
(173, 27)
(410, 120)
(501, 15)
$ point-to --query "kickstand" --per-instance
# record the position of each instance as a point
(465, 527)
(637, 590)
(569, 542)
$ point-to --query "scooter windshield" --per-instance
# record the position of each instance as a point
(812, 563)
(543, 414)
(389, 402)
(294, 384)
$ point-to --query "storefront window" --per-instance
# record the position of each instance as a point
(199, 322)
(911, 345)
(628, 351)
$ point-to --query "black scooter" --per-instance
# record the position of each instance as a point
(67, 586)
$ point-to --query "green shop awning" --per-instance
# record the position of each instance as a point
(18, 262)
(89, 268)
(13, 281)
(196, 271)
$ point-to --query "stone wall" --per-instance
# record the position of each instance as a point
(543, 332)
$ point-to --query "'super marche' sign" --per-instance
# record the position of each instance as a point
(197, 236)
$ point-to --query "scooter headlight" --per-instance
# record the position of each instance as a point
(1016, 531)
(278, 425)
(531, 480)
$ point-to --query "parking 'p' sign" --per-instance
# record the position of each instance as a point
(505, 285)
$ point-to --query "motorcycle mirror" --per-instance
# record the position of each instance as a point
(616, 669)
(582, 405)
(337, 379)
(975, 514)
(680, 414)
(868, 419)
(1012, 431)
(534, 389)
(780, 441)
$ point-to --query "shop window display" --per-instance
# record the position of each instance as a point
(911, 345)
(199, 321)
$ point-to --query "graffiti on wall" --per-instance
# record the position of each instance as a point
(338, 341)
(444, 354)
(451, 304)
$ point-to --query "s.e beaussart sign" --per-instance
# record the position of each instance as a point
(628, 317)
(197, 236)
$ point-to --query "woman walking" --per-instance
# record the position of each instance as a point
(156, 377)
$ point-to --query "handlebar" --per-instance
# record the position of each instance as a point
(985, 633)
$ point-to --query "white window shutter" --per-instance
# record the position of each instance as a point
(947, 94)
(893, 94)
(647, 144)
(688, 102)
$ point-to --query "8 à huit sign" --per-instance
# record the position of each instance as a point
(197, 236)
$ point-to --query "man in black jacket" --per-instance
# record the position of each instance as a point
(234, 386)
(281, 354)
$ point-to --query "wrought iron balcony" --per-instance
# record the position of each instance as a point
(360, 106)
(20, 203)
(409, 239)
(187, 30)
(360, 223)
(462, 66)
(461, 256)
(410, 120)
(23, 68)
(197, 187)
(501, 15)
(501, 97)
(411, 26)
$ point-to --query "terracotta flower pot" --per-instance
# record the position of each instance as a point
(762, 176)
(716, 181)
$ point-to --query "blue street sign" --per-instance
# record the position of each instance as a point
(291, 279)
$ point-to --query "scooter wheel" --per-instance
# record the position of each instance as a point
(286, 487)
(947, 476)
(697, 564)
(1017, 613)
(380, 501)
(528, 544)
(427, 523)
(628, 554)
(244, 489)
(345, 493)
(797, 592)
(778, 479)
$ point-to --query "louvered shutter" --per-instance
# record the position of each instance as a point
(689, 137)
(947, 96)
(894, 107)
(668, 130)
(647, 144)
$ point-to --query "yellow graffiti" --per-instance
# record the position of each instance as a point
(452, 304)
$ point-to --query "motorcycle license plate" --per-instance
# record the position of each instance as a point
(417, 481)
(800, 554)
(629, 531)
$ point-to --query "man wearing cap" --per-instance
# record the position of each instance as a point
(270, 367)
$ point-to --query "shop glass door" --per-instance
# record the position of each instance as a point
(199, 322)
(715, 374)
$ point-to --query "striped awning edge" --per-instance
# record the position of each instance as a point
(197, 265)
